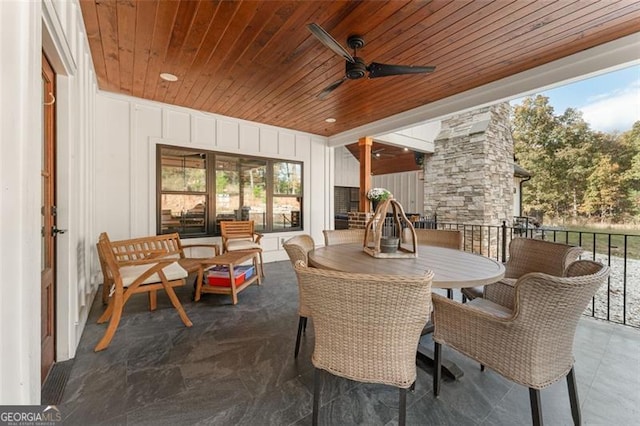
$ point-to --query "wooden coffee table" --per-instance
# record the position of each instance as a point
(231, 260)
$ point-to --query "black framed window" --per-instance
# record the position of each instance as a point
(197, 189)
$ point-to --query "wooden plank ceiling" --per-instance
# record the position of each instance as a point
(388, 158)
(256, 60)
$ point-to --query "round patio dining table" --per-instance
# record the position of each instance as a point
(451, 269)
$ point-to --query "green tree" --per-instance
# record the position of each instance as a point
(604, 192)
(573, 159)
(541, 148)
(631, 139)
(576, 171)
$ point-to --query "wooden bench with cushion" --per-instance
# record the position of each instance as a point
(159, 246)
(144, 271)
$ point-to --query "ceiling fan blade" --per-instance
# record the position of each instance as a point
(383, 70)
(329, 41)
(330, 88)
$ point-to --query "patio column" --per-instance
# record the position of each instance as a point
(365, 171)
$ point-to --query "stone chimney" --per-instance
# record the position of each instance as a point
(469, 177)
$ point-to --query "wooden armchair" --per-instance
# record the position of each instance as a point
(240, 235)
(137, 275)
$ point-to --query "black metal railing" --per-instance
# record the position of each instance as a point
(618, 301)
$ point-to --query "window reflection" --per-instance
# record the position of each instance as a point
(241, 190)
(183, 204)
(199, 189)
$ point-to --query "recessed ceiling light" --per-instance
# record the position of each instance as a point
(406, 149)
(168, 77)
(330, 120)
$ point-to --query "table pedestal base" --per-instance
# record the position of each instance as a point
(425, 354)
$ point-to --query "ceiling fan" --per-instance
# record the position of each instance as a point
(356, 67)
(379, 153)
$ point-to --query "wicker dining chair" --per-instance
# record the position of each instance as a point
(525, 255)
(298, 248)
(367, 327)
(528, 255)
(447, 238)
(531, 344)
(343, 236)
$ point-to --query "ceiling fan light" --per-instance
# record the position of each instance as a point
(330, 120)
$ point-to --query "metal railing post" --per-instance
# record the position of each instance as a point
(504, 241)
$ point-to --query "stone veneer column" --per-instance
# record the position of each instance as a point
(469, 177)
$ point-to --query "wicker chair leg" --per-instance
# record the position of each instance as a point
(536, 409)
(402, 417)
(573, 397)
(464, 299)
(481, 367)
(304, 325)
(316, 396)
(450, 293)
(437, 370)
(301, 322)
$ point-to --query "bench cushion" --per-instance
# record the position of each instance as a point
(233, 245)
(130, 273)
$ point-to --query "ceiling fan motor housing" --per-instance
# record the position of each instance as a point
(357, 69)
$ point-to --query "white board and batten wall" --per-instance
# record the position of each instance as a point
(407, 188)
(129, 129)
(27, 29)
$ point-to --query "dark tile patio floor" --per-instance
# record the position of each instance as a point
(235, 366)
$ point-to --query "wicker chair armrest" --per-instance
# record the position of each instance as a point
(215, 247)
(450, 312)
(503, 292)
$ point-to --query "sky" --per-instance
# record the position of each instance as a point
(609, 102)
